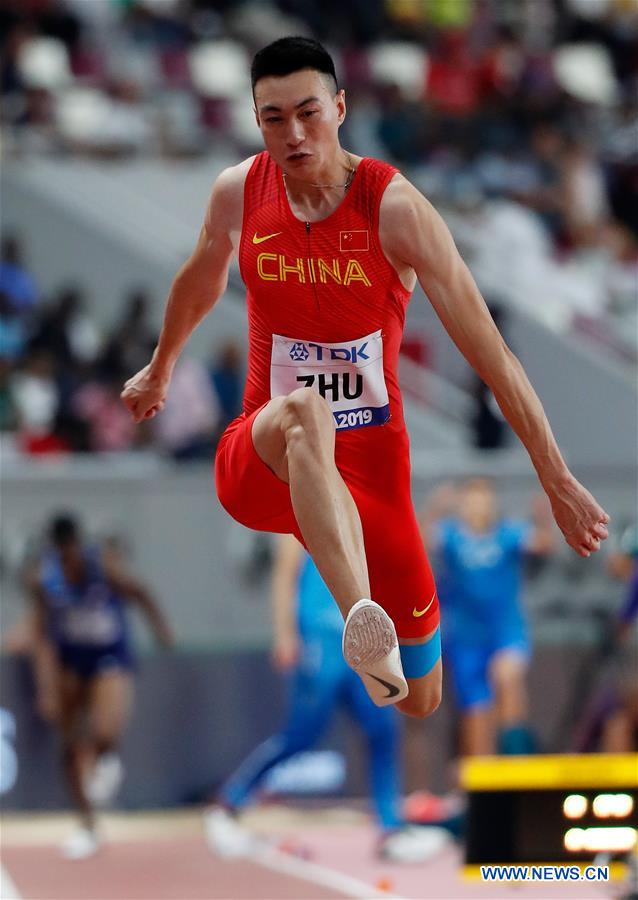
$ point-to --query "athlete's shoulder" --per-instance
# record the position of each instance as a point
(409, 226)
(229, 184)
(226, 204)
(400, 195)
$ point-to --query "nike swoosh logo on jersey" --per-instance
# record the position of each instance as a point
(417, 613)
(393, 690)
(266, 237)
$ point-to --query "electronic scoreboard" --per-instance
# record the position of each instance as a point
(571, 809)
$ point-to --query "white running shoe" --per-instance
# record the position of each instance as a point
(413, 844)
(105, 779)
(371, 648)
(82, 844)
(225, 836)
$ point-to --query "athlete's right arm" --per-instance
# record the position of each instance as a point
(198, 285)
(43, 655)
(285, 578)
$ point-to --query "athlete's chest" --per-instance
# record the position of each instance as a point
(335, 257)
(480, 554)
(62, 594)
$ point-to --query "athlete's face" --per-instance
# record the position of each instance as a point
(72, 559)
(479, 508)
(299, 117)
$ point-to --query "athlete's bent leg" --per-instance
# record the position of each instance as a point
(111, 700)
(421, 660)
(424, 694)
(110, 705)
(295, 437)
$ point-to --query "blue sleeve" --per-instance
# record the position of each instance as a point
(515, 536)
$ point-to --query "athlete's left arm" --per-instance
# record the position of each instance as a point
(414, 235)
(133, 590)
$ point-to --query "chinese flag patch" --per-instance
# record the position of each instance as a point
(353, 240)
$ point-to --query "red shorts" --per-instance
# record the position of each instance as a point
(375, 464)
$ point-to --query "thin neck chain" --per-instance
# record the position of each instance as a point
(347, 183)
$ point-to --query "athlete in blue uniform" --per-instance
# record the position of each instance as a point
(620, 727)
(84, 663)
(308, 629)
(486, 637)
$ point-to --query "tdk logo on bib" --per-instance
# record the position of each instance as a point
(348, 375)
(299, 352)
(332, 352)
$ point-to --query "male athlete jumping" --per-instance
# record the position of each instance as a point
(330, 246)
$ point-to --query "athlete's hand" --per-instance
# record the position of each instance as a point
(286, 651)
(144, 394)
(581, 519)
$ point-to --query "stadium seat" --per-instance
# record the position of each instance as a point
(402, 64)
(43, 62)
(220, 69)
(585, 71)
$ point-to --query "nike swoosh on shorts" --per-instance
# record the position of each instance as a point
(417, 613)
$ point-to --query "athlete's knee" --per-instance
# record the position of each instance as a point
(508, 670)
(421, 702)
(104, 743)
(306, 416)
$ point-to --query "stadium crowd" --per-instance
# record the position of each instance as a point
(60, 377)
(520, 121)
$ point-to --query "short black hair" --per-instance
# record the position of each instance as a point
(64, 530)
(291, 54)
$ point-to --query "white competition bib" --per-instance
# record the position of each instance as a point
(349, 375)
(96, 626)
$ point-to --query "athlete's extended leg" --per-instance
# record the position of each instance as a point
(314, 695)
(508, 674)
(381, 728)
(315, 689)
(295, 437)
(76, 755)
(73, 700)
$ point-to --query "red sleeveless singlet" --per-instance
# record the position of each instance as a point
(319, 284)
(326, 311)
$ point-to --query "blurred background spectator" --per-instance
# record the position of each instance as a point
(227, 376)
(15, 280)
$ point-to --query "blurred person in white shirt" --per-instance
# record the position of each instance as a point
(189, 426)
